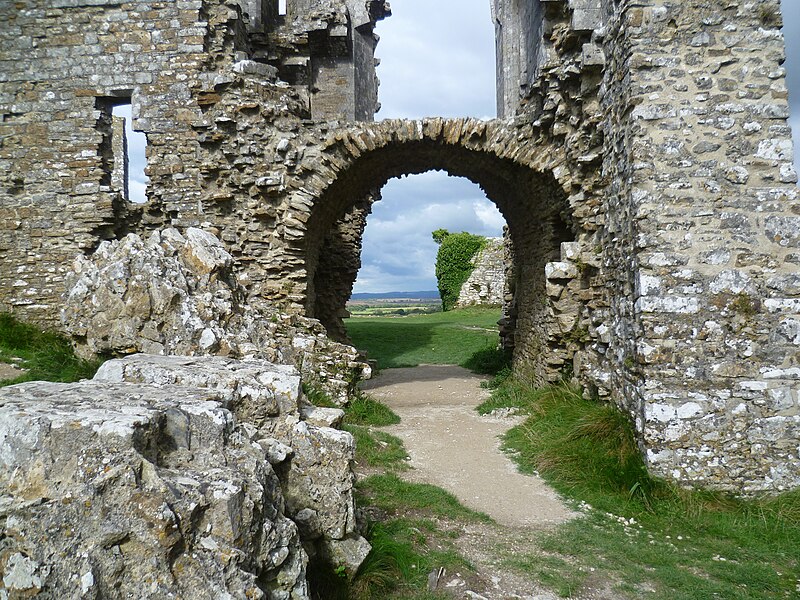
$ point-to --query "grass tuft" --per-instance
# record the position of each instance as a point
(508, 393)
(366, 411)
(46, 356)
(378, 448)
(489, 361)
(392, 493)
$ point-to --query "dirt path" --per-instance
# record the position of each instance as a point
(453, 447)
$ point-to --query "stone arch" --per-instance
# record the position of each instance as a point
(523, 178)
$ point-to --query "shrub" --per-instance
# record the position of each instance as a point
(454, 264)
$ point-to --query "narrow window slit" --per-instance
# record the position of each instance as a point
(122, 150)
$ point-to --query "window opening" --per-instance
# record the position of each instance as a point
(132, 162)
(281, 7)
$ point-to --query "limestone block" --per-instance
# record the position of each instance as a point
(560, 270)
(318, 476)
(254, 389)
(118, 487)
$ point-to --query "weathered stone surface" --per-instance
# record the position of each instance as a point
(129, 490)
(255, 390)
(486, 284)
(313, 461)
(176, 294)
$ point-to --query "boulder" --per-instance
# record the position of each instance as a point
(313, 461)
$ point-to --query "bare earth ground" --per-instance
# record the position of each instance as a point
(9, 371)
(453, 447)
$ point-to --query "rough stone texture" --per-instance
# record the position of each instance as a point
(120, 490)
(176, 294)
(486, 284)
(699, 158)
(650, 137)
(312, 460)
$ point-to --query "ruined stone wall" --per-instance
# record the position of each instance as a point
(66, 63)
(704, 220)
(486, 284)
(63, 62)
(695, 236)
(339, 263)
(553, 91)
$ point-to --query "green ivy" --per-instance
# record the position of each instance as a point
(454, 262)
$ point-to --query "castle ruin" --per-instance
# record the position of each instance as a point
(642, 160)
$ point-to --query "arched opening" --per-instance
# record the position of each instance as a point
(532, 202)
(399, 251)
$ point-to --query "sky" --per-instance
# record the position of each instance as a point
(437, 58)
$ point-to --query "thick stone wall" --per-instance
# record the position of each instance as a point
(643, 167)
(704, 218)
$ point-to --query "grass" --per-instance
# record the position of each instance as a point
(411, 542)
(393, 494)
(46, 356)
(407, 545)
(451, 337)
(378, 449)
(366, 411)
(648, 537)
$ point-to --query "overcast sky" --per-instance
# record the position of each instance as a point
(437, 58)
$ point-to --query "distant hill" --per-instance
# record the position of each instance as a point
(434, 295)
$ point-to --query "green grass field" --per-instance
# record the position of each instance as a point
(441, 338)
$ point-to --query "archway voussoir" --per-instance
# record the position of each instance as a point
(433, 128)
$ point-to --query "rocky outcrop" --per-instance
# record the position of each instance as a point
(179, 294)
(196, 477)
(119, 490)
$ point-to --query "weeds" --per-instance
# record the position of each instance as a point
(317, 396)
(45, 355)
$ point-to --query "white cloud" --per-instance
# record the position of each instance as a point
(487, 212)
(437, 58)
(399, 253)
